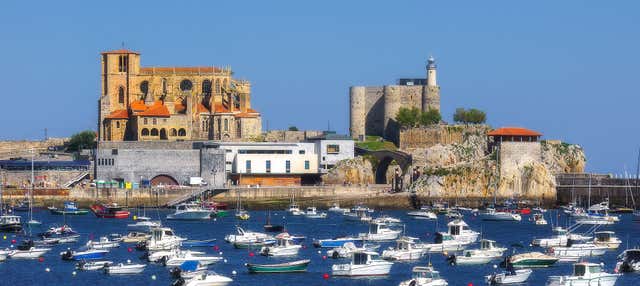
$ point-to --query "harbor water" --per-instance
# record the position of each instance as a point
(516, 236)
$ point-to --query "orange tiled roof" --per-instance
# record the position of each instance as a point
(138, 106)
(245, 115)
(120, 51)
(118, 114)
(220, 108)
(513, 131)
(202, 108)
(180, 69)
(179, 107)
(251, 110)
(158, 109)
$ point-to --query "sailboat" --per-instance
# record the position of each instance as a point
(32, 222)
(636, 212)
(8, 223)
(241, 214)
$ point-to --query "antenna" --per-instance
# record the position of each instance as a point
(123, 44)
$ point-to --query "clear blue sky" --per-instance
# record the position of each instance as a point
(568, 69)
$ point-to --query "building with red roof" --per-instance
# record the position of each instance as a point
(172, 103)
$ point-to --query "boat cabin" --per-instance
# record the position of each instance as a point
(70, 206)
(404, 244)
(604, 236)
(9, 219)
(457, 226)
(421, 272)
(442, 237)
(363, 258)
(586, 269)
(284, 240)
(487, 244)
(161, 233)
(311, 209)
(378, 227)
(630, 255)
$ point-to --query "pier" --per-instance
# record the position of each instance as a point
(620, 191)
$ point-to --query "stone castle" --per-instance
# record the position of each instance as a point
(172, 103)
(373, 108)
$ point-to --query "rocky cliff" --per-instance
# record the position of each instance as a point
(562, 157)
(351, 171)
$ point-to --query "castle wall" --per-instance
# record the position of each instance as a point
(357, 112)
(515, 155)
(425, 137)
(395, 97)
(374, 110)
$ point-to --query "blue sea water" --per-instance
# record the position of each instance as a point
(32, 272)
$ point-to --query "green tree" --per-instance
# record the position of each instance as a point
(82, 140)
(459, 115)
(408, 117)
(430, 117)
(473, 116)
(293, 128)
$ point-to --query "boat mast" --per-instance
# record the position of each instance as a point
(31, 189)
(637, 179)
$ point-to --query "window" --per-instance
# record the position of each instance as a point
(226, 125)
(288, 166)
(121, 95)
(114, 151)
(145, 121)
(174, 132)
(206, 87)
(123, 63)
(250, 151)
(155, 121)
(164, 86)
(145, 132)
(268, 163)
(144, 87)
(248, 166)
(117, 124)
(333, 149)
(238, 129)
(154, 132)
(306, 165)
(301, 152)
(217, 85)
(182, 132)
(186, 85)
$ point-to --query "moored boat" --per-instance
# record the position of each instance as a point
(69, 208)
(124, 269)
(424, 276)
(584, 274)
(529, 260)
(93, 265)
(514, 276)
(89, 254)
(363, 264)
(293, 266)
(109, 211)
(10, 223)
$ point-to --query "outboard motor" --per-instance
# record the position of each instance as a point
(178, 282)
(68, 255)
(175, 272)
(451, 259)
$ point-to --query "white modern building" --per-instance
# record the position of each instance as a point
(332, 148)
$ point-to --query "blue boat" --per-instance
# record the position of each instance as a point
(90, 254)
(336, 242)
(298, 239)
(199, 243)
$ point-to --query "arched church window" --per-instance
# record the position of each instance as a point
(206, 87)
(145, 132)
(121, 95)
(154, 132)
(174, 132)
(144, 87)
(182, 132)
(186, 85)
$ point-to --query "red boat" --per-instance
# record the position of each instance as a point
(109, 211)
(214, 205)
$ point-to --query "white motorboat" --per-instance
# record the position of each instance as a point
(509, 277)
(557, 240)
(312, 212)
(363, 264)
(380, 231)
(387, 220)
(93, 265)
(423, 214)
(606, 239)
(460, 231)
(349, 248)
(573, 252)
(135, 237)
(628, 261)
(471, 257)
(584, 274)
(424, 276)
(179, 256)
(160, 255)
(404, 250)
(27, 250)
(125, 269)
(208, 279)
(358, 214)
(246, 236)
(102, 243)
(190, 211)
(489, 246)
(335, 207)
(294, 209)
(143, 224)
(3, 256)
(538, 219)
(284, 247)
(491, 214)
(444, 242)
(597, 214)
(163, 238)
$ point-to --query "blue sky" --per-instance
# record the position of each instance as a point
(565, 68)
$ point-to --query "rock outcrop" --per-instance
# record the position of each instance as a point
(562, 157)
(351, 171)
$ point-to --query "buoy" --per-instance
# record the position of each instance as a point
(220, 252)
(73, 273)
(215, 219)
(135, 217)
(325, 276)
(47, 269)
(13, 241)
(470, 284)
(319, 252)
(324, 257)
(495, 266)
(216, 248)
(41, 259)
(128, 261)
(234, 272)
(153, 277)
(251, 254)
(225, 260)
(129, 249)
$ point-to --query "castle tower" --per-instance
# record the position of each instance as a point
(431, 92)
(357, 112)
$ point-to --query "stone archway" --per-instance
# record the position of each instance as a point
(164, 180)
(163, 134)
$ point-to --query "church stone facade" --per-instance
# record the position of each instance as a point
(373, 108)
(172, 103)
